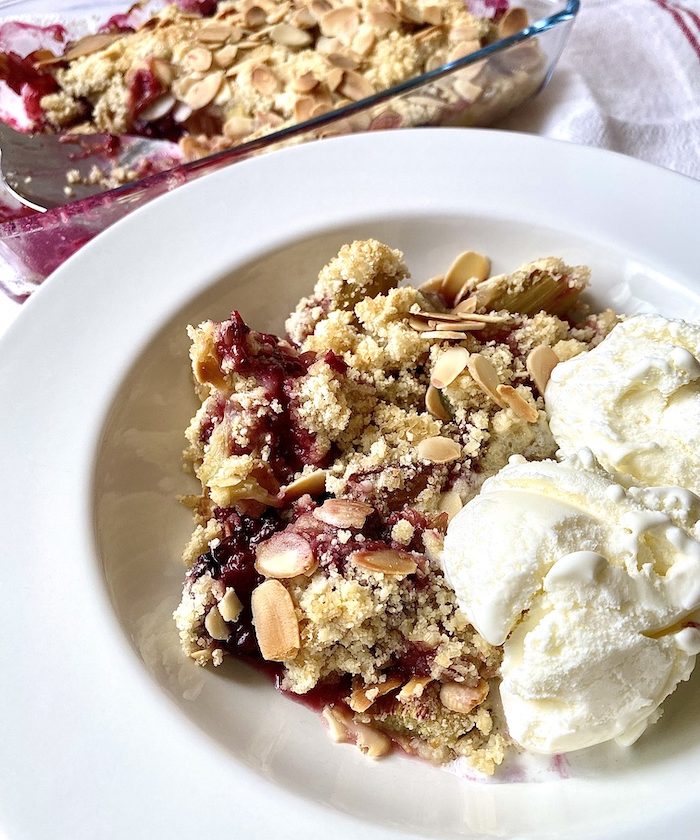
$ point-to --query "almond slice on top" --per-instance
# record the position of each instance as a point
(435, 406)
(448, 366)
(462, 698)
(413, 688)
(385, 561)
(439, 450)
(285, 555)
(343, 513)
(518, 404)
(486, 377)
(514, 20)
(540, 363)
(362, 698)
(450, 503)
(313, 483)
(466, 265)
(276, 624)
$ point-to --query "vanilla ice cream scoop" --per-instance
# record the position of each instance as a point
(591, 588)
(634, 401)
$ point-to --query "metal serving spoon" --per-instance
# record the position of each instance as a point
(33, 167)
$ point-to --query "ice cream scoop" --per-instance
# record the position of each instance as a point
(635, 402)
(591, 588)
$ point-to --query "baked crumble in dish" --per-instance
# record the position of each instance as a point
(236, 70)
(331, 461)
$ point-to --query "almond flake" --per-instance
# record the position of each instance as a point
(341, 23)
(418, 324)
(164, 71)
(387, 561)
(450, 503)
(181, 112)
(303, 107)
(319, 8)
(517, 403)
(514, 20)
(461, 698)
(197, 60)
(343, 513)
(313, 483)
(327, 46)
(469, 326)
(446, 335)
(413, 688)
(89, 44)
(466, 306)
(439, 450)
(463, 49)
(467, 90)
(160, 106)
(432, 285)
(236, 127)
(303, 19)
(285, 555)
(305, 83)
(448, 366)
(334, 78)
(355, 86)
(345, 62)
(264, 80)
(214, 33)
(540, 363)
(202, 92)
(226, 56)
(437, 317)
(290, 36)
(466, 265)
(339, 732)
(362, 698)
(408, 13)
(486, 377)
(432, 15)
(230, 605)
(276, 624)
(255, 17)
(463, 32)
(215, 625)
(435, 404)
(363, 42)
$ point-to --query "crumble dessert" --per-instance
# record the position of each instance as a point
(250, 67)
(331, 462)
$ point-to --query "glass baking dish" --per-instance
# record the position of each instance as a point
(476, 90)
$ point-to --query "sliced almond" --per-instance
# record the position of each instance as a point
(355, 86)
(488, 318)
(463, 32)
(418, 324)
(164, 71)
(432, 15)
(89, 44)
(462, 698)
(413, 688)
(255, 17)
(362, 698)
(465, 266)
(387, 561)
(264, 80)
(337, 727)
(343, 513)
(540, 363)
(303, 18)
(462, 49)
(214, 33)
(364, 40)
(215, 625)
(237, 127)
(230, 605)
(226, 56)
(437, 317)
(450, 503)
(382, 22)
(313, 483)
(318, 8)
(327, 46)
(160, 106)
(466, 326)
(197, 59)
(448, 366)
(181, 112)
(333, 79)
(341, 23)
(435, 405)
(465, 307)
(371, 742)
(290, 36)
(285, 555)
(446, 335)
(305, 83)
(345, 62)
(432, 285)
(518, 404)
(439, 450)
(303, 107)
(514, 20)
(201, 93)
(486, 377)
(276, 624)
(467, 90)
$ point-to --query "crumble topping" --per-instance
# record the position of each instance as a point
(331, 462)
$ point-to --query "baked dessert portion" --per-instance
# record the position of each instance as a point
(250, 67)
(331, 462)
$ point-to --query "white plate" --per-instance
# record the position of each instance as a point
(107, 732)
